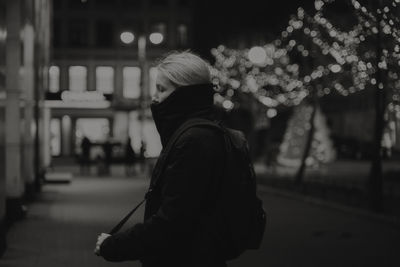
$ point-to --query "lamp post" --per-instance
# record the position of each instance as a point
(144, 81)
(155, 38)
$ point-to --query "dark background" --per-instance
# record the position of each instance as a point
(241, 23)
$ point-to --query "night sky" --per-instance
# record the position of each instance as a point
(217, 22)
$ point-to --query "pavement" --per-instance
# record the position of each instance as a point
(353, 172)
(62, 225)
(342, 181)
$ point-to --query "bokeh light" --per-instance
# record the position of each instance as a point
(156, 38)
(257, 55)
(127, 37)
(271, 113)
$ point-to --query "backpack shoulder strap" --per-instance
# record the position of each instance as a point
(163, 159)
(197, 122)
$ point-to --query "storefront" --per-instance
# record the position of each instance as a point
(92, 115)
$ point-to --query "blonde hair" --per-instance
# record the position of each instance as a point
(184, 68)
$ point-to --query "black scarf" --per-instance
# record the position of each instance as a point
(186, 102)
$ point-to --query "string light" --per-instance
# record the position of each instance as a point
(281, 79)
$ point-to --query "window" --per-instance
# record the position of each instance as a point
(182, 35)
(105, 79)
(55, 137)
(153, 76)
(151, 139)
(96, 129)
(131, 82)
(77, 78)
(78, 33)
(105, 33)
(54, 79)
(144, 131)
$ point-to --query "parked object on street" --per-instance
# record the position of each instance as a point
(58, 177)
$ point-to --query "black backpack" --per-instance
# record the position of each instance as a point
(239, 218)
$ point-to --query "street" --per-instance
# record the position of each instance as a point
(92, 92)
(62, 225)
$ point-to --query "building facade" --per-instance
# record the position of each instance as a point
(102, 72)
(24, 58)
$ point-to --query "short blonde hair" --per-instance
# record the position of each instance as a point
(184, 68)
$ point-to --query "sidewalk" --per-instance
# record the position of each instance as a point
(343, 182)
(62, 225)
(340, 171)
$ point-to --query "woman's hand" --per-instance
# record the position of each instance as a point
(100, 240)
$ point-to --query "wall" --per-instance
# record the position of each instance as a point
(2, 151)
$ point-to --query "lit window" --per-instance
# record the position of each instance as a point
(96, 129)
(55, 137)
(182, 35)
(54, 79)
(131, 82)
(153, 77)
(151, 139)
(105, 79)
(77, 78)
(144, 131)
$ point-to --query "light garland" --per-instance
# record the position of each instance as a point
(342, 57)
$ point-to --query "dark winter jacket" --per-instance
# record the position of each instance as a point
(177, 228)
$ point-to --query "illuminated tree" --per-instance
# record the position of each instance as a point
(317, 55)
(376, 52)
(295, 139)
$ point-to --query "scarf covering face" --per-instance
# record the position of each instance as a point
(186, 102)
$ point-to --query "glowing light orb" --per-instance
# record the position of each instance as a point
(336, 68)
(271, 113)
(156, 38)
(257, 55)
(227, 104)
(127, 37)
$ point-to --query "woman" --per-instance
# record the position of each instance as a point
(174, 231)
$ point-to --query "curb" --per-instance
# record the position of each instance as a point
(391, 220)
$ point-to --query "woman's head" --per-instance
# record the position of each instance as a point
(180, 69)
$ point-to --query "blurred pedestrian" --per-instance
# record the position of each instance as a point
(101, 169)
(86, 145)
(130, 158)
(174, 232)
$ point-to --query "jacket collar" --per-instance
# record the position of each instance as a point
(186, 102)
